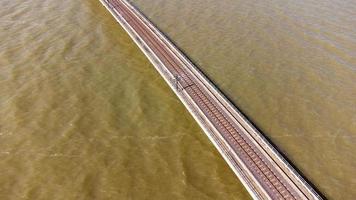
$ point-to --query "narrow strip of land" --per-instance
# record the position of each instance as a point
(259, 166)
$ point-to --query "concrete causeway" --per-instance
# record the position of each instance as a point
(259, 166)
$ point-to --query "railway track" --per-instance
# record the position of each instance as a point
(262, 170)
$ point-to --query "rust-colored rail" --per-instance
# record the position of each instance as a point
(265, 174)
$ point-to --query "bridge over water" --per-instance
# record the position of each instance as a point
(259, 166)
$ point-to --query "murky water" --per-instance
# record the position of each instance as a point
(83, 114)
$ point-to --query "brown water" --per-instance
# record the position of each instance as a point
(83, 115)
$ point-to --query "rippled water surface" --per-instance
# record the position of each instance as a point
(83, 114)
